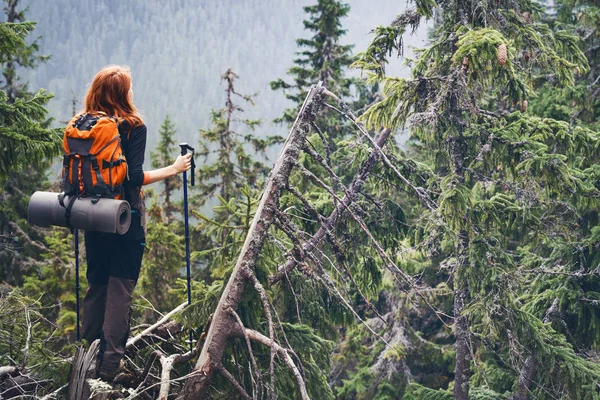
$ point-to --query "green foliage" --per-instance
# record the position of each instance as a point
(231, 167)
(322, 59)
(165, 154)
(52, 283)
(23, 139)
(23, 136)
(511, 187)
(27, 338)
(163, 260)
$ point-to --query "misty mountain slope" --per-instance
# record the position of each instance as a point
(178, 49)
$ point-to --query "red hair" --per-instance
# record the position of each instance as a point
(109, 93)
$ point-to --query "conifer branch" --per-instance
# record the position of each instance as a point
(419, 191)
(249, 275)
(328, 224)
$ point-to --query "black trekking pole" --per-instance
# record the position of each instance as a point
(184, 149)
(76, 233)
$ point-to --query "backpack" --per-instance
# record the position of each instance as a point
(93, 163)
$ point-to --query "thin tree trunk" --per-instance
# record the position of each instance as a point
(526, 378)
(461, 334)
(223, 325)
(462, 369)
(529, 370)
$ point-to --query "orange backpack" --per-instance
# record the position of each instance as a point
(93, 163)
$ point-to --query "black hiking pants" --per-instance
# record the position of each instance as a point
(114, 263)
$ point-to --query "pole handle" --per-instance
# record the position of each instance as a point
(184, 149)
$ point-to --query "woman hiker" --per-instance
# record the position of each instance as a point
(114, 260)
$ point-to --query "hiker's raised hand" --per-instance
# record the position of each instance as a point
(183, 163)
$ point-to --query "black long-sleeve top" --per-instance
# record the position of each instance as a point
(133, 142)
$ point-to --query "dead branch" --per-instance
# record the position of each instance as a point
(384, 256)
(55, 393)
(354, 188)
(259, 337)
(146, 371)
(249, 275)
(223, 371)
(83, 367)
(28, 340)
(167, 363)
(8, 370)
(38, 245)
(151, 328)
(420, 192)
(252, 358)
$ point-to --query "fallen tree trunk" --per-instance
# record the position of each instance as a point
(223, 324)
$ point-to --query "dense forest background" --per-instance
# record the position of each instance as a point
(460, 264)
(177, 51)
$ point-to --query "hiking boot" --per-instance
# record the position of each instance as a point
(108, 375)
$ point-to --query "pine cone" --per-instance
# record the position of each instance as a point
(524, 105)
(527, 17)
(465, 64)
(579, 16)
(501, 55)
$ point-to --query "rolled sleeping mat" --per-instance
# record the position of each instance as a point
(103, 215)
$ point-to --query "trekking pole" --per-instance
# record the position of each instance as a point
(76, 233)
(184, 149)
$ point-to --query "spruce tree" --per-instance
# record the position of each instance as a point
(226, 147)
(323, 58)
(506, 189)
(23, 137)
(37, 320)
(26, 143)
(164, 154)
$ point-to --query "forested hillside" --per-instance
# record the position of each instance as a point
(461, 264)
(177, 51)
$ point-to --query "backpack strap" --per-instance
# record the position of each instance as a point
(68, 208)
(68, 188)
(100, 184)
(106, 145)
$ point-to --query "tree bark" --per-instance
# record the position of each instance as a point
(462, 370)
(529, 370)
(223, 324)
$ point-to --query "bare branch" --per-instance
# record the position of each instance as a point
(267, 309)
(167, 364)
(328, 224)
(252, 359)
(420, 192)
(223, 371)
(28, 340)
(259, 337)
(151, 328)
(38, 245)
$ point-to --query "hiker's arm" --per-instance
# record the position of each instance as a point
(183, 163)
(135, 155)
(135, 161)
